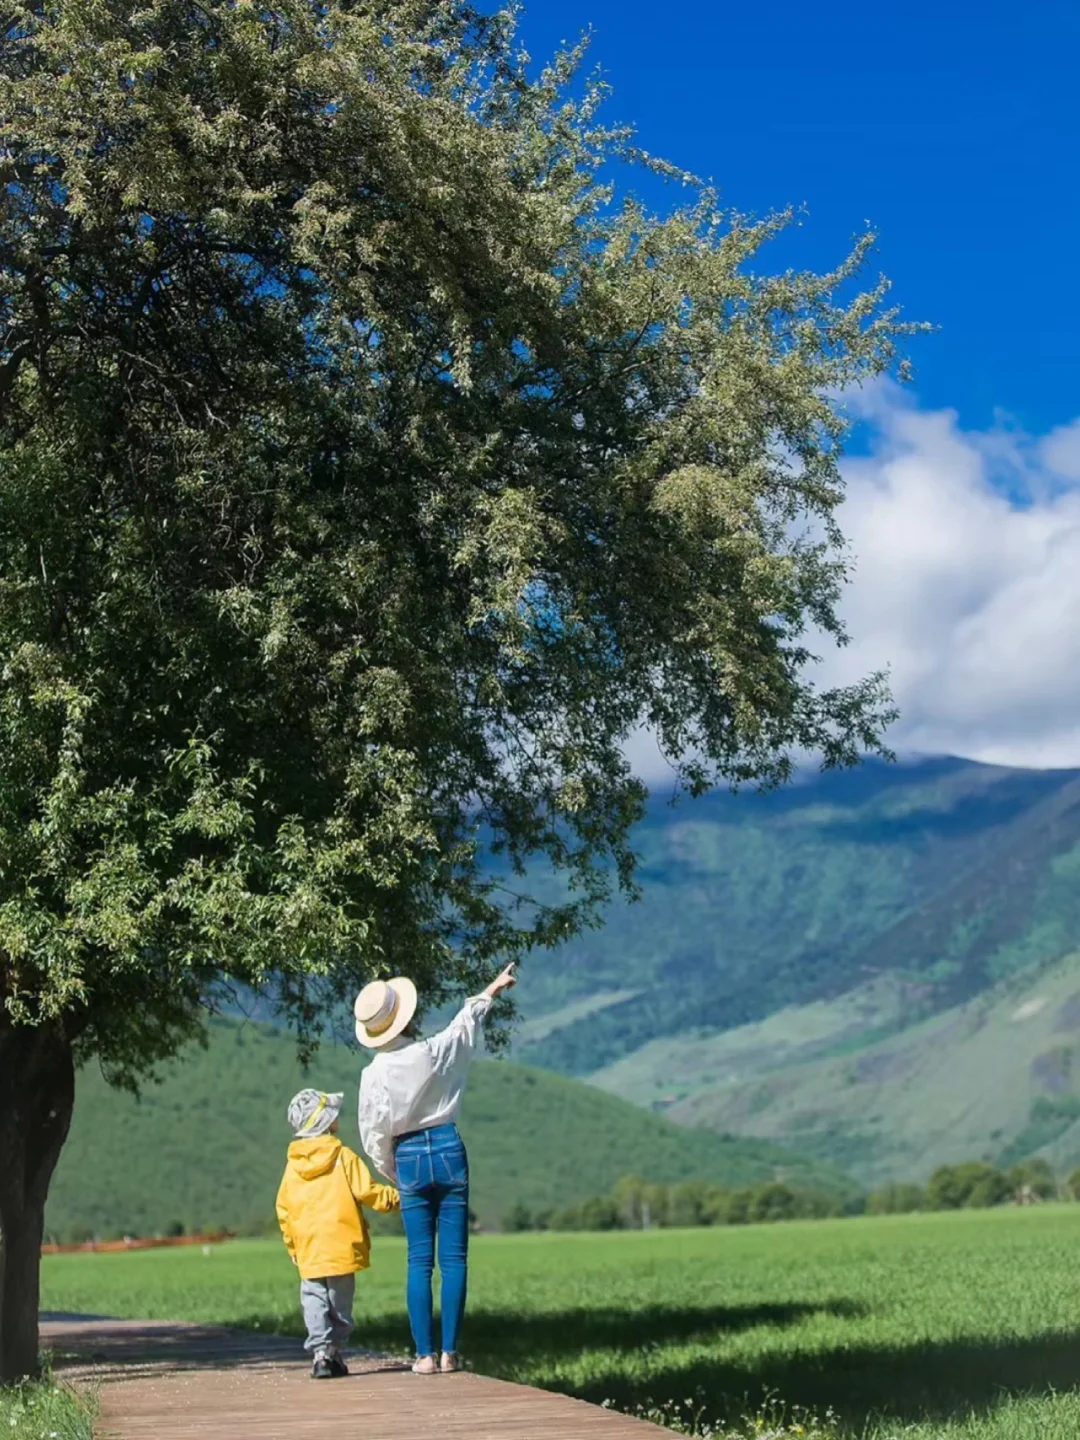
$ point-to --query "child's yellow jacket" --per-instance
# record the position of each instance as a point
(319, 1207)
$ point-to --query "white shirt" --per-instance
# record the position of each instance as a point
(415, 1084)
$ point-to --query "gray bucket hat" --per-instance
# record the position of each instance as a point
(312, 1112)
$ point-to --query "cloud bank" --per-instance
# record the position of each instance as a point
(966, 583)
(965, 586)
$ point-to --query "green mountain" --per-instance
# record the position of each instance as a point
(996, 1078)
(753, 902)
(206, 1146)
(824, 920)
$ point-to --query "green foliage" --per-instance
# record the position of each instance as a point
(774, 1420)
(517, 1218)
(973, 1184)
(636, 1204)
(896, 1199)
(47, 1409)
(958, 1326)
(367, 476)
(598, 1212)
(1034, 1178)
(693, 1202)
(207, 1145)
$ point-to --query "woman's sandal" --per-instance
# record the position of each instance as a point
(450, 1362)
(425, 1365)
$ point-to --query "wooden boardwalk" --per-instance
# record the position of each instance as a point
(177, 1381)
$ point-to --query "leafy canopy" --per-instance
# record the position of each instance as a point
(368, 473)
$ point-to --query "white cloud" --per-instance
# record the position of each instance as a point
(967, 584)
(1060, 451)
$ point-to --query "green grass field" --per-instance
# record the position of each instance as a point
(956, 1325)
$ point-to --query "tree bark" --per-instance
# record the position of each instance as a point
(37, 1094)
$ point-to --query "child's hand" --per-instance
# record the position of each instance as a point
(294, 1260)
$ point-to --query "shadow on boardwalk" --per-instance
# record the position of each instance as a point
(80, 1341)
(925, 1380)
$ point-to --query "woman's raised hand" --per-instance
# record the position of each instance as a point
(502, 982)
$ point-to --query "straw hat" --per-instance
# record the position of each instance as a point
(383, 1009)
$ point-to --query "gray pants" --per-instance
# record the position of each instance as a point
(327, 1306)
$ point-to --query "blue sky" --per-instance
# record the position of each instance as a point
(952, 127)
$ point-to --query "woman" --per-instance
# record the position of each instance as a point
(409, 1097)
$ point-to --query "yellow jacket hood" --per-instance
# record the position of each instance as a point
(312, 1158)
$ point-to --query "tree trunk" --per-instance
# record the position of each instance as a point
(37, 1093)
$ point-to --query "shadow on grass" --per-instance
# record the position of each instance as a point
(899, 1383)
(569, 1332)
(496, 1340)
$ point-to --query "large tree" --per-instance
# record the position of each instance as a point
(367, 475)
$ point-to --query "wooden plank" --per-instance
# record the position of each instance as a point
(176, 1381)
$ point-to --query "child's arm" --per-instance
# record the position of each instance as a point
(365, 1190)
(283, 1221)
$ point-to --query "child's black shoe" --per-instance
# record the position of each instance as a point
(338, 1368)
(322, 1369)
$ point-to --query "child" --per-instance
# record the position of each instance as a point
(319, 1210)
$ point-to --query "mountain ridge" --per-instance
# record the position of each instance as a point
(889, 897)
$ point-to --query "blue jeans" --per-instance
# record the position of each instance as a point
(433, 1180)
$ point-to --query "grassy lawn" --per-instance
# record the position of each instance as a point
(957, 1325)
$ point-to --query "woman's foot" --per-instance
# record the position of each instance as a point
(425, 1365)
(450, 1362)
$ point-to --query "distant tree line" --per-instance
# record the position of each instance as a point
(636, 1204)
(975, 1185)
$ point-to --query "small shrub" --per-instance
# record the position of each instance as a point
(600, 1213)
(517, 1218)
(989, 1190)
(46, 1407)
(772, 1421)
(972, 1184)
(898, 1199)
(1034, 1176)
